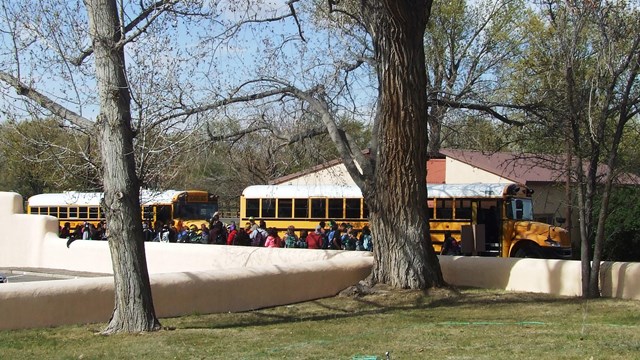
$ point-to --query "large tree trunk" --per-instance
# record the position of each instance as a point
(404, 256)
(133, 310)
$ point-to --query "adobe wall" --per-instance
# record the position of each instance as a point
(189, 279)
(31, 241)
(557, 277)
(91, 300)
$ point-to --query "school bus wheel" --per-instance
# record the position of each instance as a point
(527, 249)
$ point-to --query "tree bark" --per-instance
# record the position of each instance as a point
(134, 311)
(404, 256)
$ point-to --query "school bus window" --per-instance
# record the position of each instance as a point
(63, 213)
(93, 212)
(285, 207)
(444, 209)
(352, 208)
(335, 209)
(83, 212)
(430, 206)
(73, 212)
(253, 207)
(147, 213)
(301, 208)
(163, 213)
(268, 208)
(463, 209)
(365, 211)
(318, 208)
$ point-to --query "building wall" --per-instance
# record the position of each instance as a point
(337, 174)
(462, 173)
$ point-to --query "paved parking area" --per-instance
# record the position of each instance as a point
(18, 278)
(15, 275)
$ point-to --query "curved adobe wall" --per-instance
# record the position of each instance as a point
(190, 279)
(185, 278)
(80, 301)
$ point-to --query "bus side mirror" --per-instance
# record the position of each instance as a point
(561, 220)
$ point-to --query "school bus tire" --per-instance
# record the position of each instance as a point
(528, 250)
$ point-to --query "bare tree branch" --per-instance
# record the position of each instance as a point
(44, 101)
(295, 17)
(188, 111)
(487, 108)
(235, 136)
(149, 13)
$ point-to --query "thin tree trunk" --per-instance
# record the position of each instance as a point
(134, 311)
(403, 254)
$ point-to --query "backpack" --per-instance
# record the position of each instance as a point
(289, 241)
(259, 238)
(328, 239)
(367, 242)
(164, 235)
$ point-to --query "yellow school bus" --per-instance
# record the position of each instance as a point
(487, 219)
(157, 207)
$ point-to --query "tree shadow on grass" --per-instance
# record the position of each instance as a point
(375, 302)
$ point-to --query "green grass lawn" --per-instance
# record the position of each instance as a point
(442, 324)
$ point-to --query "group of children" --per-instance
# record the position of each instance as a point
(343, 237)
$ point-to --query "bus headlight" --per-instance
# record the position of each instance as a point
(552, 243)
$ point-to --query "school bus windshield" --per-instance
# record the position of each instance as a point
(520, 209)
(195, 211)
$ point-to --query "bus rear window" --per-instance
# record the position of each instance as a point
(444, 209)
(463, 209)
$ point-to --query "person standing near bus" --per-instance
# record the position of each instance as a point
(65, 231)
(273, 240)
(252, 221)
(217, 231)
(232, 233)
(242, 236)
(315, 239)
(450, 245)
(147, 232)
(333, 241)
(86, 231)
(290, 238)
